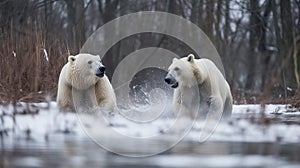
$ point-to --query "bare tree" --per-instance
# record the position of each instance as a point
(287, 39)
(76, 22)
(253, 39)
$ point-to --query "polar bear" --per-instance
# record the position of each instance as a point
(83, 85)
(199, 86)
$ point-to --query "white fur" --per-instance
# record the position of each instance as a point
(78, 83)
(202, 74)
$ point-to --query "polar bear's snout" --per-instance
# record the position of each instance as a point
(102, 68)
(170, 80)
(100, 71)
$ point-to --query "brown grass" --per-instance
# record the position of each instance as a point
(25, 73)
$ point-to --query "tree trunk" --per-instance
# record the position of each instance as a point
(209, 19)
(217, 24)
(200, 14)
(287, 40)
(76, 22)
(266, 56)
(253, 39)
(80, 23)
(194, 11)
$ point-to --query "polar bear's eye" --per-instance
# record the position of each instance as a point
(90, 62)
(176, 69)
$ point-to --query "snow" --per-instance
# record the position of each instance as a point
(14, 54)
(37, 126)
(239, 128)
(46, 55)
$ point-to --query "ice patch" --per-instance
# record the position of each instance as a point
(239, 128)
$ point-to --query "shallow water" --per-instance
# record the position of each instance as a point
(72, 151)
(240, 143)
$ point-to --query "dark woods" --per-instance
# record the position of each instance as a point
(258, 41)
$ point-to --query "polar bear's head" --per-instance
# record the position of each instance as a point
(87, 65)
(181, 72)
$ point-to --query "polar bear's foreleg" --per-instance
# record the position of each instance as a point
(215, 108)
(64, 98)
(176, 101)
(228, 107)
(105, 95)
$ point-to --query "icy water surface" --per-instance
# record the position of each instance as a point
(71, 151)
(247, 140)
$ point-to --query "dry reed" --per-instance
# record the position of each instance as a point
(29, 65)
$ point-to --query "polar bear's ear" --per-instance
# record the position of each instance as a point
(175, 59)
(71, 58)
(190, 58)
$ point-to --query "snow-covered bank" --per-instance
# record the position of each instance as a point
(240, 128)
